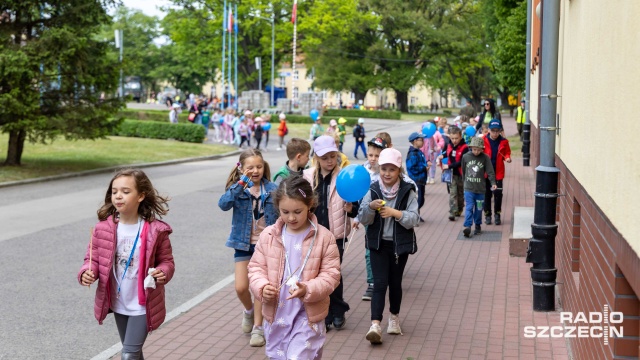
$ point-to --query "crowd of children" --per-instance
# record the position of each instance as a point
(289, 231)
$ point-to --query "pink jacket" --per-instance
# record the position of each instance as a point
(336, 210)
(156, 246)
(321, 275)
(436, 143)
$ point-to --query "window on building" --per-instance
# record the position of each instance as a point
(295, 75)
(413, 100)
(413, 88)
(295, 92)
(352, 96)
(283, 81)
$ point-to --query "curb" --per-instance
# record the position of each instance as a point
(113, 168)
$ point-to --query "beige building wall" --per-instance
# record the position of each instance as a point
(599, 85)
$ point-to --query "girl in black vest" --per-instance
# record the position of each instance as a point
(390, 209)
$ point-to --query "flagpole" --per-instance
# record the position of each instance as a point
(293, 61)
(235, 30)
(224, 38)
(229, 24)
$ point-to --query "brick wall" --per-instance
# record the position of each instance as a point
(596, 267)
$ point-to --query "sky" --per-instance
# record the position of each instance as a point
(149, 7)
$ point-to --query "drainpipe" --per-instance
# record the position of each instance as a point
(526, 129)
(541, 252)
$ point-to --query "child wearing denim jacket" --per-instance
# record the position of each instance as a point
(248, 193)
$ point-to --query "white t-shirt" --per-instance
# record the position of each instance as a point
(127, 304)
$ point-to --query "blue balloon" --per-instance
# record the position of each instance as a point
(266, 127)
(314, 114)
(353, 183)
(470, 131)
(429, 129)
(221, 120)
(445, 161)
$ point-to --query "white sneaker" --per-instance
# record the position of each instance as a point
(374, 335)
(247, 322)
(257, 338)
(394, 326)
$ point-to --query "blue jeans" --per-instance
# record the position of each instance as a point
(360, 144)
(473, 213)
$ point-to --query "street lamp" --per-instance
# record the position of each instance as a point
(273, 50)
(119, 35)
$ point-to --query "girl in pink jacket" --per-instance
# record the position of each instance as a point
(129, 244)
(332, 212)
(295, 267)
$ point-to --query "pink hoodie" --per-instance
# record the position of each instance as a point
(156, 246)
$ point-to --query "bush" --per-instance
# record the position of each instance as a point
(375, 114)
(300, 119)
(161, 130)
(153, 115)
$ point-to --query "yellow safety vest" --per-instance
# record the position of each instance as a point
(520, 118)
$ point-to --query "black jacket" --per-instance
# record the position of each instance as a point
(404, 239)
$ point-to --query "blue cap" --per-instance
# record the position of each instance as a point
(495, 124)
(415, 135)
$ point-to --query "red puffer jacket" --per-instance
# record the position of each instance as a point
(155, 242)
(504, 152)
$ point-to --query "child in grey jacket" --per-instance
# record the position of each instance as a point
(476, 166)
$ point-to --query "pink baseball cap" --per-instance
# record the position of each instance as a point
(324, 144)
(333, 123)
(390, 156)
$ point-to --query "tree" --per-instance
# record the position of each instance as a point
(511, 47)
(203, 34)
(140, 53)
(338, 31)
(53, 72)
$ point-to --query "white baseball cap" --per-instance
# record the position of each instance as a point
(324, 144)
(282, 116)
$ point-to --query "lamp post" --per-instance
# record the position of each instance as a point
(119, 34)
(273, 50)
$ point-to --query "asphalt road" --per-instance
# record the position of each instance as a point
(46, 314)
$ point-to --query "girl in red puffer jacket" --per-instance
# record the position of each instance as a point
(128, 245)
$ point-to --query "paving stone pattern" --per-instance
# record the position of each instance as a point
(462, 299)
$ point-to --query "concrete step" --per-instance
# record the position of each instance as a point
(520, 231)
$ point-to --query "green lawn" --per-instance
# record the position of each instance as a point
(71, 156)
(516, 145)
(300, 130)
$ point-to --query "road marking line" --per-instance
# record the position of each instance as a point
(113, 350)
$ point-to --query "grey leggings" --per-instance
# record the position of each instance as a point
(133, 332)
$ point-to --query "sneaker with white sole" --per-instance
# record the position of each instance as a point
(247, 322)
(374, 335)
(368, 294)
(257, 338)
(394, 325)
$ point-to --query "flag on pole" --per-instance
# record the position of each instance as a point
(294, 12)
(235, 22)
(230, 26)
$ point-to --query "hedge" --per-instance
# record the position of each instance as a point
(300, 119)
(153, 115)
(394, 115)
(161, 130)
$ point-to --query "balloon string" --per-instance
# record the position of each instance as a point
(349, 242)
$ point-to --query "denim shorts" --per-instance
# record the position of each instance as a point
(241, 255)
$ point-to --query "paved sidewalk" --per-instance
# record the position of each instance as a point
(462, 298)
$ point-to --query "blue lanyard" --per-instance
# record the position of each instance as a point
(129, 261)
